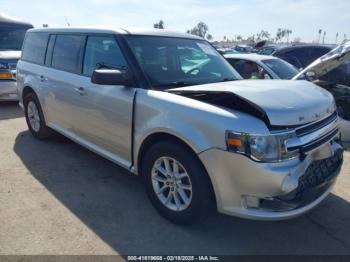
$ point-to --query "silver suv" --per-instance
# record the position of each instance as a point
(168, 107)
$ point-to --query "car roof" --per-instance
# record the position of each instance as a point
(250, 57)
(10, 21)
(290, 48)
(116, 30)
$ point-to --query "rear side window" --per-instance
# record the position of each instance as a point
(34, 47)
(67, 53)
(102, 52)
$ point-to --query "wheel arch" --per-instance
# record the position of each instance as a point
(26, 90)
(157, 137)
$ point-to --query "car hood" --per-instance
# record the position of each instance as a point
(15, 55)
(285, 103)
(327, 62)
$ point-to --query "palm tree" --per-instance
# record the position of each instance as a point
(278, 34)
(324, 36)
(319, 35)
(288, 32)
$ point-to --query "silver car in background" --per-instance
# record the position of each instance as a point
(12, 33)
(167, 106)
(254, 66)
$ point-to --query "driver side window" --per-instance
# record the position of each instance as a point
(102, 52)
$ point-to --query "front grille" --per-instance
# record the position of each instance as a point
(315, 143)
(315, 126)
(319, 172)
(315, 182)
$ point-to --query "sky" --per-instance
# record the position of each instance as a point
(224, 17)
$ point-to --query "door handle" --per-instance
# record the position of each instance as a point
(80, 90)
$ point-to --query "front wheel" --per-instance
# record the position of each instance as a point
(176, 183)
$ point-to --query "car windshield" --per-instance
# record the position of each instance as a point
(281, 68)
(175, 62)
(11, 38)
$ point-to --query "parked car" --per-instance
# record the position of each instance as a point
(225, 51)
(267, 50)
(302, 56)
(12, 34)
(252, 66)
(243, 49)
(198, 136)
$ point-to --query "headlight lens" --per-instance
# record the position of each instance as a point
(270, 148)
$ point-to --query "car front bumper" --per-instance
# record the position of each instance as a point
(8, 90)
(271, 191)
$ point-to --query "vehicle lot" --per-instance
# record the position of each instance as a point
(58, 198)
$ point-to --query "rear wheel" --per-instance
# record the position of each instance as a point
(176, 183)
(35, 118)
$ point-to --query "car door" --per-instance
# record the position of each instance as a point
(104, 112)
(62, 79)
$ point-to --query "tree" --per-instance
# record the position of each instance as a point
(279, 34)
(288, 32)
(201, 29)
(324, 36)
(251, 39)
(319, 35)
(239, 38)
(159, 25)
(262, 35)
(209, 37)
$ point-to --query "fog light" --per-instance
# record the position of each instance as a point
(251, 201)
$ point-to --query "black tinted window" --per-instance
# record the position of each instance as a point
(34, 48)
(67, 53)
(102, 52)
(318, 52)
(50, 46)
(11, 38)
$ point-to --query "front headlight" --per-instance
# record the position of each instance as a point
(269, 148)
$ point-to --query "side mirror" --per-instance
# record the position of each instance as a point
(111, 77)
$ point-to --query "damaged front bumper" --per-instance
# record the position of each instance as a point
(272, 191)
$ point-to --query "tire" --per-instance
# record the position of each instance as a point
(179, 212)
(35, 117)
